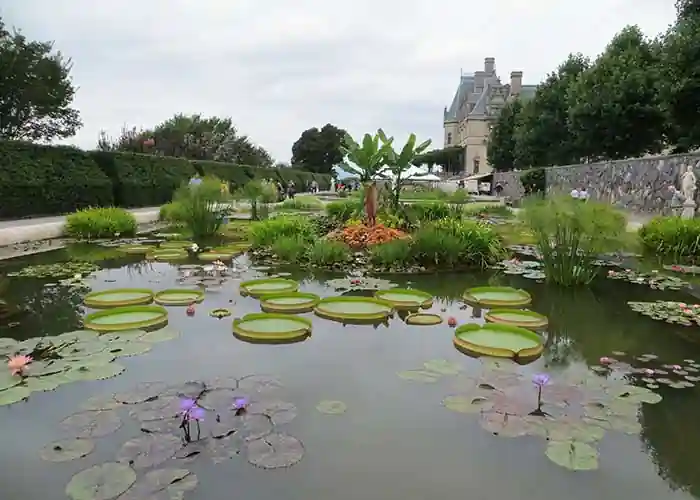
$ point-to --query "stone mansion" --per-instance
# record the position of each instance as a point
(474, 109)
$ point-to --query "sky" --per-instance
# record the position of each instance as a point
(278, 67)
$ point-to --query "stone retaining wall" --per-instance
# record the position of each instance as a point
(639, 185)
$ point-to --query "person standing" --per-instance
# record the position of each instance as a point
(583, 194)
(575, 194)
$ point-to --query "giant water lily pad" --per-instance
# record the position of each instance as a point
(149, 450)
(162, 484)
(405, 299)
(213, 256)
(443, 366)
(67, 450)
(354, 309)
(91, 424)
(517, 317)
(101, 482)
(291, 302)
(178, 297)
(174, 244)
(136, 249)
(260, 287)
(271, 328)
(275, 451)
(498, 340)
(423, 319)
(359, 284)
(126, 318)
(168, 254)
(573, 455)
(119, 297)
(497, 296)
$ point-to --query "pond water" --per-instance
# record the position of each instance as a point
(395, 440)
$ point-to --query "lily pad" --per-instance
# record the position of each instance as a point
(358, 284)
(271, 328)
(162, 484)
(259, 384)
(46, 384)
(354, 309)
(128, 348)
(633, 394)
(423, 319)
(331, 407)
(405, 299)
(8, 380)
(419, 376)
(118, 297)
(91, 424)
(573, 455)
(67, 450)
(126, 318)
(275, 451)
(101, 482)
(505, 425)
(517, 317)
(467, 404)
(289, 302)
(497, 297)
(220, 313)
(258, 288)
(14, 395)
(498, 340)
(178, 297)
(97, 403)
(144, 391)
(94, 372)
(162, 335)
(443, 367)
(149, 450)
(279, 412)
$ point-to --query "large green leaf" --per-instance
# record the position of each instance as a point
(101, 482)
(573, 455)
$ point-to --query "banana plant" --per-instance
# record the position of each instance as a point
(366, 160)
(400, 163)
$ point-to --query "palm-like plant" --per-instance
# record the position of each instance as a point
(368, 160)
(399, 163)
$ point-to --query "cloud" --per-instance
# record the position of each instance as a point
(278, 67)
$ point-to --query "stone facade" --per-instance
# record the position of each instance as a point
(639, 185)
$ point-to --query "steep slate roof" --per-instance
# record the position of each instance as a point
(465, 90)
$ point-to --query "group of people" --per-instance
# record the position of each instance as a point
(580, 194)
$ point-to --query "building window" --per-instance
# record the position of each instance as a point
(449, 138)
(476, 166)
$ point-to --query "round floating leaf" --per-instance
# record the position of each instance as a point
(149, 450)
(572, 429)
(162, 335)
(443, 367)
(8, 380)
(219, 399)
(83, 349)
(162, 425)
(573, 455)
(221, 450)
(250, 427)
(43, 368)
(330, 407)
(157, 409)
(101, 358)
(67, 450)
(121, 335)
(505, 425)
(467, 404)
(261, 384)
(97, 372)
(625, 424)
(192, 389)
(128, 348)
(275, 451)
(633, 394)
(96, 403)
(165, 484)
(91, 424)
(45, 384)
(279, 412)
(144, 391)
(101, 482)
(14, 395)
(77, 335)
(419, 376)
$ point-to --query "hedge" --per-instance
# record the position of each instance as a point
(49, 180)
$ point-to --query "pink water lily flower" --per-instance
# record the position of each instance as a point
(676, 368)
(649, 372)
(682, 304)
(18, 363)
(605, 360)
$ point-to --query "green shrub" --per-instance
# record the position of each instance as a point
(49, 180)
(95, 223)
(672, 237)
(460, 196)
(199, 207)
(570, 235)
(534, 181)
(290, 248)
(324, 224)
(302, 203)
(171, 212)
(423, 193)
(326, 253)
(265, 233)
(393, 253)
(342, 211)
(487, 209)
(430, 211)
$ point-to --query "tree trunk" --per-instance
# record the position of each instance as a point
(371, 203)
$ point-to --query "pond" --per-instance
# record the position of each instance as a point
(368, 406)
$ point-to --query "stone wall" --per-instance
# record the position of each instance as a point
(639, 185)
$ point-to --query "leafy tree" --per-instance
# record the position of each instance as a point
(501, 146)
(543, 136)
(614, 107)
(318, 150)
(399, 163)
(368, 160)
(680, 73)
(450, 159)
(36, 90)
(193, 137)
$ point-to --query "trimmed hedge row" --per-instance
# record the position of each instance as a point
(51, 180)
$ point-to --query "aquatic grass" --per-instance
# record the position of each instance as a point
(672, 237)
(570, 235)
(290, 248)
(325, 253)
(97, 223)
(201, 208)
(266, 233)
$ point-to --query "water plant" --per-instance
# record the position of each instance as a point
(202, 207)
(678, 313)
(530, 269)
(100, 222)
(673, 237)
(654, 279)
(55, 271)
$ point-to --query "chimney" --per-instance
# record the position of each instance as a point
(516, 82)
(490, 65)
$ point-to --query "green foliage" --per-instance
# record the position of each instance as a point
(451, 159)
(494, 209)
(318, 150)
(369, 158)
(324, 224)
(96, 223)
(534, 181)
(45, 180)
(672, 237)
(172, 212)
(326, 253)
(266, 233)
(290, 248)
(501, 146)
(258, 194)
(399, 163)
(344, 210)
(392, 253)
(543, 136)
(302, 203)
(36, 91)
(570, 235)
(614, 106)
(199, 207)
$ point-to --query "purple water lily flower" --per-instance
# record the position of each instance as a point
(196, 413)
(540, 379)
(187, 404)
(239, 403)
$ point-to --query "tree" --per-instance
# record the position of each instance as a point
(450, 159)
(615, 110)
(36, 90)
(543, 136)
(680, 77)
(318, 150)
(193, 137)
(399, 163)
(501, 147)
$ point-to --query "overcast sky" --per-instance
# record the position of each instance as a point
(278, 67)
